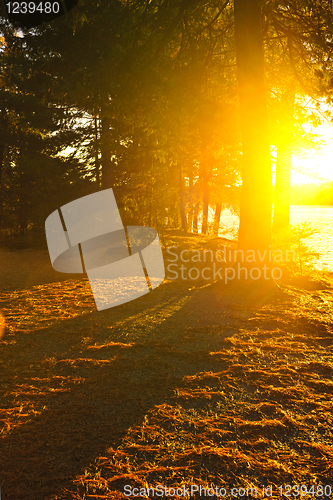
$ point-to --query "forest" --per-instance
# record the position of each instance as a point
(208, 386)
(144, 97)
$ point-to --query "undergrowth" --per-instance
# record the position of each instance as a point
(291, 242)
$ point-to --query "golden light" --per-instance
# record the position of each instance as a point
(2, 325)
(316, 166)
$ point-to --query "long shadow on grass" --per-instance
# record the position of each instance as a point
(93, 377)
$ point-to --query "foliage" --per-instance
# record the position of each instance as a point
(143, 97)
(292, 242)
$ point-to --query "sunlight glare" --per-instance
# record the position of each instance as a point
(2, 325)
(315, 167)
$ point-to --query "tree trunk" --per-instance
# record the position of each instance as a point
(283, 164)
(217, 218)
(107, 171)
(97, 165)
(195, 217)
(3, 175)
(205, 201)
(256, 197)
(191, 202)
(181, 200)
(190, 219)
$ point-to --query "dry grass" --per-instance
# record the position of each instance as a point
(196, 383)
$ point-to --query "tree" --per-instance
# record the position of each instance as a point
(123, 75)
(298, 64)
(256, 196)
(33, 179)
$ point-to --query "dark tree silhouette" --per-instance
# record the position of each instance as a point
(256, 198)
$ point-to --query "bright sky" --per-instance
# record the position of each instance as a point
(317, 167)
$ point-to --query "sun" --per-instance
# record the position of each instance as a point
(315, 167)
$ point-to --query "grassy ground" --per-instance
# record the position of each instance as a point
(201, 383)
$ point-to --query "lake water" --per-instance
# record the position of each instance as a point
(320, 217)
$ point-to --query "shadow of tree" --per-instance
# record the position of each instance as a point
(93, 377)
